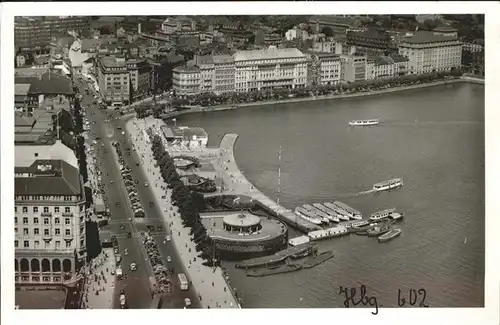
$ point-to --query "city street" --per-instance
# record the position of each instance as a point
(136, 284)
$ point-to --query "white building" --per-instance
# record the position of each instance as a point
(353, 68)
(386, 66)
(296, 32)
(184, 136)
(49, 220)
(269, 69)
(428, 52)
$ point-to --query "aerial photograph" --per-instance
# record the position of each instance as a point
(250, 161)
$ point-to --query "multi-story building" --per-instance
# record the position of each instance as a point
(269, 69)
(178, 24)
(386, 66)
(113, 80)
(186, 80)
(140, 78)
(324, 69)
(49, 215)
(446, 31)
(372, 42)
(428, 52)
(339, 25)
(353, 68)
(223, 74)
(35, 33)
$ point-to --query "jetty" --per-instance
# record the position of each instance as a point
(238, 185)
(279, 257)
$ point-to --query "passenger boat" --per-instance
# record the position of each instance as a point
(390, 235)
(274, 270)
(379, 215)
(331, 214)
(396, 216)
(360, 223)
(364, 122)
(306, 215)
(340, 213)
(318, 259)
(320, 215)
(352, 213)
(379, 230)
(388, 185)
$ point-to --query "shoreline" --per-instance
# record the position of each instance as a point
(193, 110)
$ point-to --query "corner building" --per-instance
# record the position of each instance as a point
(49, 220)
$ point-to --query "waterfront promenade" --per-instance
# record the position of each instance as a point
(209, 283)
(225, 107)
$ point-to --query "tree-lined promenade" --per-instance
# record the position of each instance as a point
(233, 99)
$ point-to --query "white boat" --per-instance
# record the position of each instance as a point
(352, 213)
(340, 213)
(364, 122)
(306, 215)
(397, 216)
(379, 215)
(317, 213)
(388, 185)
(331, 214)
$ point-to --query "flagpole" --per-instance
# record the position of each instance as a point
(279, 176)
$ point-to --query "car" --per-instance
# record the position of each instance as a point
(133, 267)
(169, 259)
(187, 302)
(117, 204)
(146, 184)
(167, 238)
(111, 181)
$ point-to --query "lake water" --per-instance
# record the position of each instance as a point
(432, 137)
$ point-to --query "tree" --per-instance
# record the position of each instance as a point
(431, 24)
(328, 31)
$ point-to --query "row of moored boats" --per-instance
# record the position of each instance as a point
(327, 212)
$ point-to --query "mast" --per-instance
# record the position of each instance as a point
(279, 176)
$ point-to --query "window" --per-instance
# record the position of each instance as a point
(58, 244)
(68, 244)
(25, 220)
(56, 209)
(45, 232)
(15, 220)
(25, 209)
(82, 242)
(81, 207)
(36, 231)
(57, 221)
(37, 244)
(26, 231)
(35, 209)
(67, 221)
(45, 209)
(67, 210)
(81, 230)
(45, 221)
(46, 279)
(36, 279)
(67, 232)
(35, 221)
(58, 231)
(26, 244)
(16, 230)
(15, 209)
(16, 243)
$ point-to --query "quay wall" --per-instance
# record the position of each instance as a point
(240, 185)
(326, 97)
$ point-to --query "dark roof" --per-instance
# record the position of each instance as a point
(445, 29)
(398, 58)
(48, 83)
(88, 44)
(427, 37)
(50, 177)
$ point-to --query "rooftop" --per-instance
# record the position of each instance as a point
(47, 177)
(447, 29)
(186, 133)
(241, 220)
(272, 53)
(21, 89)
(423, 37)
(112, 62)
(49, 83)
(25, 155)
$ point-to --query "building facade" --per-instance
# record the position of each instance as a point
(113, 80)
(270, 69)
(140, 78)
(428, 52)
(324, 69)
(186, 80)
(372, 42)
(49, 222)
(353, 68)
(31, 33)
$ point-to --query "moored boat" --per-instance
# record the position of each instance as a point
(342, 215)
(318, 259)
(331, 214)
(364, 122)
(379, 215)
(274, 270)
(390, 235)
(379, 230)
(351, 213)
(320, 215)
(388, 185)
(306, 215)
(396, 216)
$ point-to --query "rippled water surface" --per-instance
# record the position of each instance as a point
(433, 138)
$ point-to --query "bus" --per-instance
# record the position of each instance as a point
(183, 282)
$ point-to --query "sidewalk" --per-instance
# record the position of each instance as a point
(102, 281)
(208, 282)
